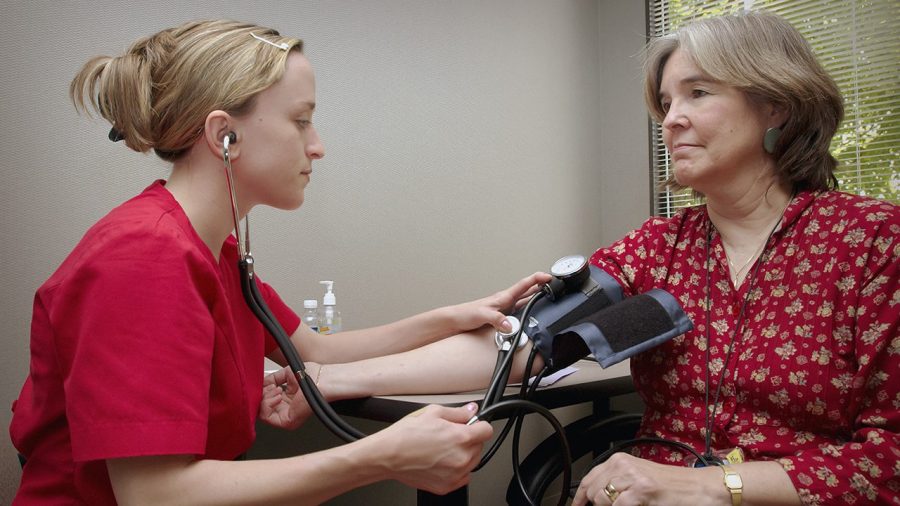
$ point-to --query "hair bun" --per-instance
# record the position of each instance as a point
(155, 51)
(157, 95)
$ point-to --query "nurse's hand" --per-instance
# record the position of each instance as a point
(433, 449)
(283, 404)
(492, 310)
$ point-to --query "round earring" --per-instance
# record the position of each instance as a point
(770, 138)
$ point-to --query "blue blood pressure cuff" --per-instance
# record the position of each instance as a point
(600, 322)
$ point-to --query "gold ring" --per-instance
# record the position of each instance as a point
(611, 492)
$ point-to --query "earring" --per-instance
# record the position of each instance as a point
(770, 138)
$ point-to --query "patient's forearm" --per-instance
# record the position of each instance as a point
(457, 364)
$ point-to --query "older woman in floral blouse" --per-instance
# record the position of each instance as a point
(793, 366)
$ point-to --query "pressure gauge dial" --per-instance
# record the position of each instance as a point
(568, 266)
(569, 273)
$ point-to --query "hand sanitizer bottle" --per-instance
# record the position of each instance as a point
(329, 316)
(311, 314)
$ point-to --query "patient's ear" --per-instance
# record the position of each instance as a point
(778, 116)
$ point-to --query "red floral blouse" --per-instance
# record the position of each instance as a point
(814, 379)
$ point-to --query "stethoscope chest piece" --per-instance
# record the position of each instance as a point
(504, 339)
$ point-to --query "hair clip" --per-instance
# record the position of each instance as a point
(283, 46)
(115, 135)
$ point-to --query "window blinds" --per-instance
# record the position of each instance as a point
(858, 43)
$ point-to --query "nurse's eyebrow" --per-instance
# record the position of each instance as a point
(305, 105)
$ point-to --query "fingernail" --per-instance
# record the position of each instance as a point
(472, 406)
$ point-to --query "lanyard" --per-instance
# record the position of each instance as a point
(710, 418)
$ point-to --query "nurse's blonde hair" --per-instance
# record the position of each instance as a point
(157, 95)
(764, 56)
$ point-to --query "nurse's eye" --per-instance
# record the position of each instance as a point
(304, 123)
(664, 105)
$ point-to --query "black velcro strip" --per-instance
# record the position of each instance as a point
(629, 322)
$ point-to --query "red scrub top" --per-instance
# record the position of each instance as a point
(141, 344)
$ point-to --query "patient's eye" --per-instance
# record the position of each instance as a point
(697, 93)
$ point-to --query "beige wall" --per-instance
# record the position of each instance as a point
(468, 143)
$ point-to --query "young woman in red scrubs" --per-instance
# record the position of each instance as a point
(146, 374)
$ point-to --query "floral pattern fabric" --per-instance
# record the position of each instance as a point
(813, 381)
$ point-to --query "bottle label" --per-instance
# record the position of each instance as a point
(329, 328)
(330, 323)
(311, 321)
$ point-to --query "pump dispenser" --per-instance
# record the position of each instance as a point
(330, 317)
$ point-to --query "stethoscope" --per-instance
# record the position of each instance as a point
(257, 305)
(567, 272)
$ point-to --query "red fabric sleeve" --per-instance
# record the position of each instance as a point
(628, 259)
(137, 337)
(288, 319)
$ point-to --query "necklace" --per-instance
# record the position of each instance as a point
(710, 417)
(737, 274)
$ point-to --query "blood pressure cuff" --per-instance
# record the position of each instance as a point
(613, 332)
(548, 318)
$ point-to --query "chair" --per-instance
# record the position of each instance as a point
(588, 434)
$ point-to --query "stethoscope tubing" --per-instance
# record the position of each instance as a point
(320, 407)
(492, 405)
(500, 377)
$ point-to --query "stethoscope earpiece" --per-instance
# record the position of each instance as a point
(229, 139)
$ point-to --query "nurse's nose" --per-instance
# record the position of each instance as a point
(314, 148)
